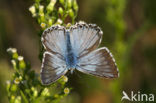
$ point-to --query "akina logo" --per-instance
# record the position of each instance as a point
(137, 96)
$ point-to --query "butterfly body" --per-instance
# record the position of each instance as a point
(75, 48)
(70, 57)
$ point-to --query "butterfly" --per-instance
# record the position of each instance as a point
(75, 48)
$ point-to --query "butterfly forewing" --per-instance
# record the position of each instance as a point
(53, 40)
(52, 68)
(84, 38)
(100, 62)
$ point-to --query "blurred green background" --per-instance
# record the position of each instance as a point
(129, 28)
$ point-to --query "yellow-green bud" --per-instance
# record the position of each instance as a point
(32, 9)
(41, 16)
(62, 2)
(13, 63)
(45, 92)
(75, 6)
(50, 7)
(18, 99)
(56, 95)
(59, 21)
(69, 3)
(71, 13)
(20, 77)
(68, 25)
(22, 64)
(60, 10)
(8, 84)
(15, 55)
(41, 8)
(13, 87)
(35, 92)
(50, 22)
(12, 97)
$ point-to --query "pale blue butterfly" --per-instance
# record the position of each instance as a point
(75, 48)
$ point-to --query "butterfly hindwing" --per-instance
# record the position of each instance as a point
(100, 62)
(52, 68)
(85, 38)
